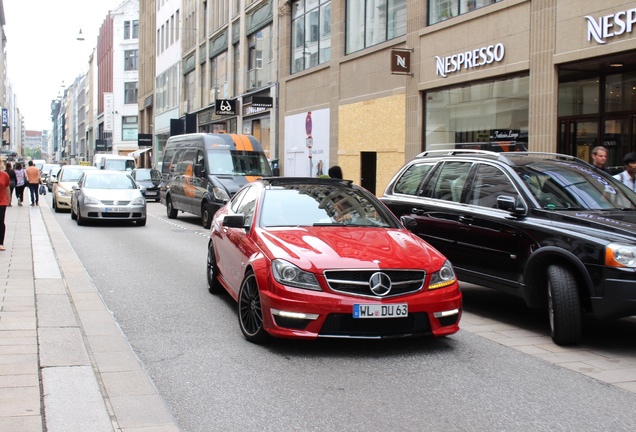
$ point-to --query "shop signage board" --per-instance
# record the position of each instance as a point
(225, 107)
(470, 59)
(603, 28)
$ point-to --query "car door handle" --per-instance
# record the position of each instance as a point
(466, 219)
(417, 211)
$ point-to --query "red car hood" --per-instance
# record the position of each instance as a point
(317, 248)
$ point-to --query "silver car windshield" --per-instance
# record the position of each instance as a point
(109, 181)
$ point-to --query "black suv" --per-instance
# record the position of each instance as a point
(549, 228)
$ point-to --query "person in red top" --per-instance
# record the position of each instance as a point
(5, 196)
(34, 180)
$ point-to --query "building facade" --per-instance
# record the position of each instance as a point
(409, 76)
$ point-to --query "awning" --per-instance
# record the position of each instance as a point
(140, 152)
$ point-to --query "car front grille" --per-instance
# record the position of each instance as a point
(341, 325)
(356, 282)
(119, 203)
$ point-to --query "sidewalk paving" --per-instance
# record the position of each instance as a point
(65, 365)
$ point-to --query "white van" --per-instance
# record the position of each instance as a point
(117, 163)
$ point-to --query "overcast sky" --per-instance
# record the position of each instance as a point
(43, 50)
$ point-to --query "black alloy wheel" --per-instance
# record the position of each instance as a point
(214, 286)
(249, 310)
(564, 306)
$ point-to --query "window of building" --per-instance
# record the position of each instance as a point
(131, 60)
(130, 93)
(260, 67)
(451, 117)
(129, 128)
(441, 10)
(131, 29)
(236, 69)
(370, 22)
(218, 76)
(311, 34)
(190, 90)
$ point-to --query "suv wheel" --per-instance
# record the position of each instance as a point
(564, 306)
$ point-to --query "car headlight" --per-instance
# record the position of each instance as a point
(287, 273)
(63, 192)
(137, 201)
(91, 201)
(443, 277)
(220, 194)
(620, 255)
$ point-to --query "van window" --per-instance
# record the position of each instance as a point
(186, 161)
(166, 165)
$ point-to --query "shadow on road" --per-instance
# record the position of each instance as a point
(611, 336)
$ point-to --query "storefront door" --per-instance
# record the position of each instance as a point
(578, 137)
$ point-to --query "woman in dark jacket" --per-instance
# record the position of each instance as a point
(12, 179)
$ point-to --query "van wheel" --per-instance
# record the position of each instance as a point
(564, 306)
(206, 216)
(171, 211)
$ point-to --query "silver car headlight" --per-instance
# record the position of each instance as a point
(620, 255)
(443, 277)
(91, 201)
(139, 201)
(287, 273)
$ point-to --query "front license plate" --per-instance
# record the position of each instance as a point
(380, 310)
(116, 209)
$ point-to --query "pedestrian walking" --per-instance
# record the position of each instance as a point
(33, 181)
(599, 158)
(5, 190)
(9, 169)
(628, 177)
(20, 182)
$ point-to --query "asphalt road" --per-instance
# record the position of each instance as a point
(153, 280)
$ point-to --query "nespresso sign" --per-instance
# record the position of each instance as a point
(608, 26)
(470, 59)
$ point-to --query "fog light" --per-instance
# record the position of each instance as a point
(445, 313)
(296, 315)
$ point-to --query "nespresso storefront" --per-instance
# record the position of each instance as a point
(584, 88)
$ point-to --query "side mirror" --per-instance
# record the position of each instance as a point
(198, 170)
(409, 222)
(234, 221)
(509, 204)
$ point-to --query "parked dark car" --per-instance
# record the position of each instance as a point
(150, 182)
(548, 228)
(309, 258)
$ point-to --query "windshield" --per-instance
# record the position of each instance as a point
(70, 174)
(147, 175)
(119, 164)
(568, 186)
(109, 181)
(223, 162)
(311, 205)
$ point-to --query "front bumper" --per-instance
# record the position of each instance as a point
(430, 313)
(101, 212)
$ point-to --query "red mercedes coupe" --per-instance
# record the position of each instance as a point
(314, 258)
